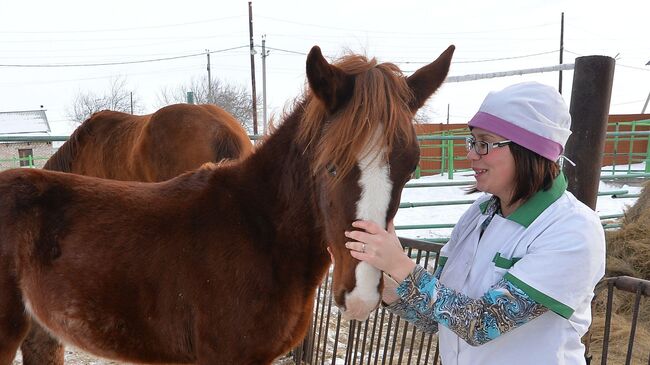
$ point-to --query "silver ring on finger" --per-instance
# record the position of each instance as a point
(363, 248)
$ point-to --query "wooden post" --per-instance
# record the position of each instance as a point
(589, 109)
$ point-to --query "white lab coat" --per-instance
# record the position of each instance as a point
(553, 248)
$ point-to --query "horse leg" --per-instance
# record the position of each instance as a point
(14, 323)
(41, 348)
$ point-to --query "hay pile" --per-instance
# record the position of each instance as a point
(628, 253)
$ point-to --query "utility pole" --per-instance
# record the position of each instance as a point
(265, 53)
(131, 102)
(648, 98)
(252, 51)
(207, 52)
(561, 50)
(448, 113)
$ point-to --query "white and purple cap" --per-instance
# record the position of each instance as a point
(530, 114)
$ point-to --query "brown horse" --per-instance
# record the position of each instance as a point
(219, 265)
(153, 147)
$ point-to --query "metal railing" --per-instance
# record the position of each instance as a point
(447, 142)
(386, 339)
(630, 136)
(382, 339)
(640, 288)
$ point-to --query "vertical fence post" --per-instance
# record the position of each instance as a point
(450, 164)
(615, 149)
(589, 109)
(647, 156)
(443, 153)
(418, 169)
(630, 158)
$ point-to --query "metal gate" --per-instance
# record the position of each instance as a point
(386, 339)
(600, 342)
(382, 339)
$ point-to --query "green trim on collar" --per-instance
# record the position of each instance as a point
(442, 260)
(531, 209)
(541, 298)
(503, 262)
(483, 206)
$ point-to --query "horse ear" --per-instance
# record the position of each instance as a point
(329, 83)
(428, 79)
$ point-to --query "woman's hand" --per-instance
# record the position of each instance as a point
(379, 248)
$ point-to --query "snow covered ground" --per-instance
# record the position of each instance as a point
(449, 214)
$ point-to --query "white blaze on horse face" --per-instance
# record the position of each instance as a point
(376, 188)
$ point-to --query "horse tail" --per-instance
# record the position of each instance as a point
(228, 149)
(231, 141)
(62, 159)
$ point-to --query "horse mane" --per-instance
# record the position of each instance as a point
(62, 159)
(380, 99)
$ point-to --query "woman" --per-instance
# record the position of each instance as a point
(515, 281)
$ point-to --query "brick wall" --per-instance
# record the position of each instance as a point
(9, 153)
(617, 151)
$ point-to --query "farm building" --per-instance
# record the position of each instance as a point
(24, 124)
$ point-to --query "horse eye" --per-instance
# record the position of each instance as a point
(331, 169)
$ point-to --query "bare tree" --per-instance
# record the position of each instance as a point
(234, 99)
(117, 98)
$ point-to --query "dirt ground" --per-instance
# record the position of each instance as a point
(75, 356)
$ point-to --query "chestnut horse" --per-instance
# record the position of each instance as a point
(219, 265)
(153, 147)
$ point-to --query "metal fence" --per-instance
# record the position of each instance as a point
(386, 339)
(623, 285)
(382, 339)
(623, 149)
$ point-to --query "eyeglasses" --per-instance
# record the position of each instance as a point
(481, 147)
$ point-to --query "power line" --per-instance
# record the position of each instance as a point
(123, 29)
(426, 62)
(165, 38)
(484, 60)
(103, 77)
(117, 63)
(617, 64)
(286, 50)
(390, 32)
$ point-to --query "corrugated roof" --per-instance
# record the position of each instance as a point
(22, 122)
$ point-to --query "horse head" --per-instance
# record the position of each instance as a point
(365, 148)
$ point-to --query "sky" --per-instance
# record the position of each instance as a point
(161, 44)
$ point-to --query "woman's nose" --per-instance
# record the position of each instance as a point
(472, 155)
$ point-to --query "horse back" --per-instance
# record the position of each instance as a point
(100, 146)
(182, 137)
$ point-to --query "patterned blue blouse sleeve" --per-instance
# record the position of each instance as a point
(407, 310)
(423, 301)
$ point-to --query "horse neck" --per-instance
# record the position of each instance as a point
(282, 170)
